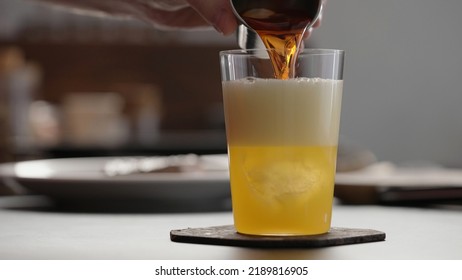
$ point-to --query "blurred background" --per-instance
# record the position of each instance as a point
(79, 85)
(402, 95)
(74, 85)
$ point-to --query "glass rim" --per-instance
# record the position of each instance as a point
(305, 51)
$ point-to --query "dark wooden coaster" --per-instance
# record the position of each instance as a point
(227, 235)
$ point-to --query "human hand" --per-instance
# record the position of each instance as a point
(198, 13)
(317, 23)
(169, 14)
(190, 14)
(162, 14)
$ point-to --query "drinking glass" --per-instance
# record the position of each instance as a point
(282, 140)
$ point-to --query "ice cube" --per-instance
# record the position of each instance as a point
(276, 179)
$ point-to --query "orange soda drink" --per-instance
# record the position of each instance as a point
(282, 145)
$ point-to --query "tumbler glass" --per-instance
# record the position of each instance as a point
(282, 138)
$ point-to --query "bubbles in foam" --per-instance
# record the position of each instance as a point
(250, 80)
(300, 110)
(315, 80)
(310, 80)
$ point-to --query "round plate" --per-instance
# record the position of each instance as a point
(144, 178)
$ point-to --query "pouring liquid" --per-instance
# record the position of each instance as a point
(280, 25)
(281, 132)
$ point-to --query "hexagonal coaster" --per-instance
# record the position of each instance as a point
(227, 236)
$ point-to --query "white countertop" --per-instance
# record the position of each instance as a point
(41, 233)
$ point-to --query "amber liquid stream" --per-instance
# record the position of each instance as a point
(281, 29)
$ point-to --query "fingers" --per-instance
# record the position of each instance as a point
(198, 13)
(181, 18)
(316, 24)
(217, 13)
(193, 13)
(318, 21)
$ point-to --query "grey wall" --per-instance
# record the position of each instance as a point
(403, 75)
